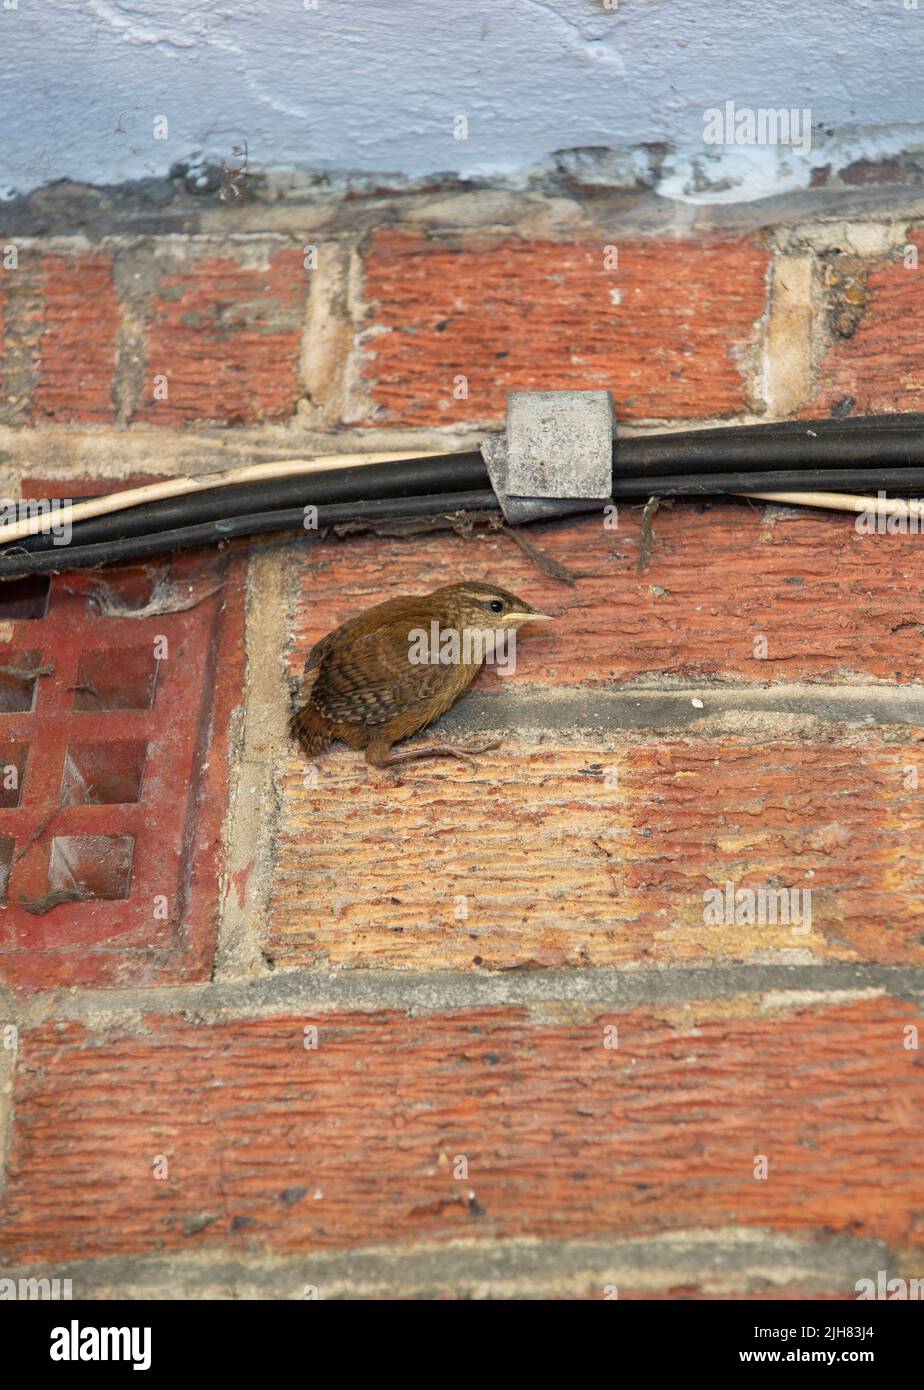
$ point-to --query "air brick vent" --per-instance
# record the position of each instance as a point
(114, 717)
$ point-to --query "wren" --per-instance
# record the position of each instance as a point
(372, 689)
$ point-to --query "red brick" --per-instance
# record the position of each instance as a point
(881, 366)
(829, 602)
(538, 315)
(77, 348)
(583, 853)
(564, 1137)
(227, 338)
(833, 817)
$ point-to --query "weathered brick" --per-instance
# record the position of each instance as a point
(696, 1289)
(831, 604)
(540, 315)
(601, 853)
(793, 1292)
(21, 301)
(227, 339)
(272, 1146)
(77, 349)
(880, 367)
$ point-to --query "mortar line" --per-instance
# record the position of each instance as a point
(326, 337)
(785, 357)
(603, 988)
(255, 802)
(575, 712)
(717, 1259)
(9, 1050)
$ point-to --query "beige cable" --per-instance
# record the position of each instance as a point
(180, 487)
(842, 502)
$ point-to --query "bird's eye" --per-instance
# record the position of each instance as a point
(496, 605)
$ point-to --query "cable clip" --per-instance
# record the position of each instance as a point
(557, 455)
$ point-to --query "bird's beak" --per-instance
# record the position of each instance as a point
(534, 617)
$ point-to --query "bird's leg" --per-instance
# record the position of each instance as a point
(380, 754)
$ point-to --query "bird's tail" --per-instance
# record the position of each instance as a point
(309, 726)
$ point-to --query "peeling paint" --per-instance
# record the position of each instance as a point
(531, 78)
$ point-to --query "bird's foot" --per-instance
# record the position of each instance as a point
(481, 748)
(430, 750)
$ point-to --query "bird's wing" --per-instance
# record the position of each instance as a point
(370, 678)
(371, 620)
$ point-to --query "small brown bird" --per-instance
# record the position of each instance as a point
(384, 675)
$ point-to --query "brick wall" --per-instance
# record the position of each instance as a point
(466, 1032)
(430, 319)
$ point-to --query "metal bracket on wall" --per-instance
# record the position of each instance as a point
(556, 457)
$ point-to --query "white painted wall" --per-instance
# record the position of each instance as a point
(375, 85)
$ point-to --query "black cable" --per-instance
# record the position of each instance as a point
(864, 442)
(451, 473)
(687, 463)
(810, 443)
(14, 565)
(15, 561)
(402, 478)
(775, 480)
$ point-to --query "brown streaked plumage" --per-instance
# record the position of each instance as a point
(368, 693)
